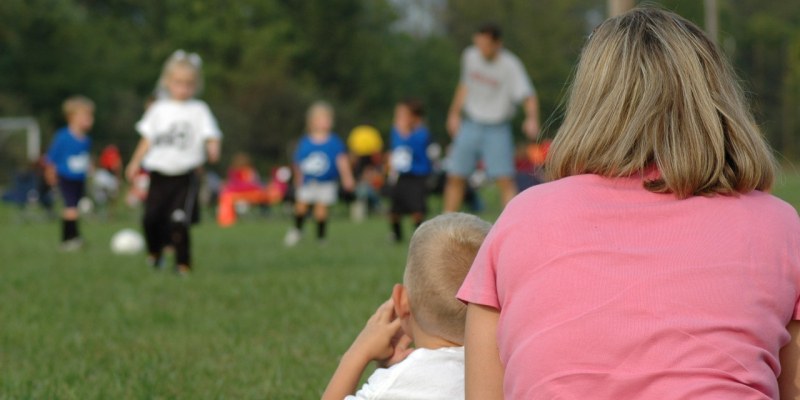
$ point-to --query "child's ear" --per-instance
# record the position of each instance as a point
(400, 300)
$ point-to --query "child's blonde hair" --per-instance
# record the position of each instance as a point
(180, 59)
(652, 90)
(440, 254)
(317, 107)
(74, 103)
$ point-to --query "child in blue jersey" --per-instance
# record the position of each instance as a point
(319, 162)
(409, 165)
(68, 163)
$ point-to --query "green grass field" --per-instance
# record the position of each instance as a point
(256, 320)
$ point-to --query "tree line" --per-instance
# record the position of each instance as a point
(266, 60)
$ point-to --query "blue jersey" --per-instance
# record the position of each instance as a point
(70, 154)
(410, 153)
(317, 161)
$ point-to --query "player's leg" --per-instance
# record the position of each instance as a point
(71, 193)
(321, 216)
(303, 195)
(300, 212)
(326, 196)
(155, 223)
(498, 157)
(182, 209)
(507, 188)
(462, 160)
(397, 210)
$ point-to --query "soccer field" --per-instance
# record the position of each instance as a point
(256, 320)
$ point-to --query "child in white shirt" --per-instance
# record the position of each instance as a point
(179, 133)
(423, 311)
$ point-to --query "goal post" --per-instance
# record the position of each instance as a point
(14, 125)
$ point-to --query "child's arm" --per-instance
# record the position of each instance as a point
(213, 150)
(789, 380)
(375, 342)
(483, 377)
(343, 164)
(136, 160)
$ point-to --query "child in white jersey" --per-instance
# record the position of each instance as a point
(178, 131)
(422, 310)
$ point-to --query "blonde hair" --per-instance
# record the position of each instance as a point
(317, 107)
(74, 103)
(651, 90)
(180, 59)
(440, 254)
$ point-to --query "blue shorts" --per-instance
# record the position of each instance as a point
(476, 141)
(72, 191)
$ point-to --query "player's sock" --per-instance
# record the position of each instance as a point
(321, 225)
(299, 219)
(69, 229)
(397, 231)
(64, 231)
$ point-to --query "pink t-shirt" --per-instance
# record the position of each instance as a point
(608, 291)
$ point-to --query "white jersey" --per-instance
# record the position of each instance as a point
(424, 374)
(177, 132)
(494, 87)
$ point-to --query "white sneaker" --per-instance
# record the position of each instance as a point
(292, 237)
(71, 245)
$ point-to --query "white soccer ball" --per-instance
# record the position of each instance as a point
(127, 241)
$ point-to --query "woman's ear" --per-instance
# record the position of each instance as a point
(400, 300)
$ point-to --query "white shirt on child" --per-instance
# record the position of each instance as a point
(177, 132)
(424, 374)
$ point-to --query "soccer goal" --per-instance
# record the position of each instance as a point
(20, 145)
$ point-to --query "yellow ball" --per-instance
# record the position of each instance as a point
(365, 140)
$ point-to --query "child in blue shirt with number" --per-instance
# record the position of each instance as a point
(68, 163)
(409, 165)
(319, 162)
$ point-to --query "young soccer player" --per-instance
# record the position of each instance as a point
(178, 131)
(423, 311)
(68, 163)
(319, 161)
(410, 165)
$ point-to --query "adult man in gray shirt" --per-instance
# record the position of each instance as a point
(493, 82)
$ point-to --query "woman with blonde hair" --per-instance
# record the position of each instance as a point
(658, 266)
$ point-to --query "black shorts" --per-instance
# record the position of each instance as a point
(409, 194)
(72, 191)
(168, 194)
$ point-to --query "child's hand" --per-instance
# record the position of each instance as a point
(131, 171)
(381, 339)
(348, 183)
(401, 343)
(50, 175)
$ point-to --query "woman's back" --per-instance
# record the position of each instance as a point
(609, 291)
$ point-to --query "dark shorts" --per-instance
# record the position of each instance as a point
(72, 191)
(409, 194)
(173, 198)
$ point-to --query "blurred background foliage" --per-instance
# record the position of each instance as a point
(266, 60)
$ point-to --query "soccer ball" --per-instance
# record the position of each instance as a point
(127, 241)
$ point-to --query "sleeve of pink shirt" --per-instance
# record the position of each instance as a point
(479, 286)
(794, 257)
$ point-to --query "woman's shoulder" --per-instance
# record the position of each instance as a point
(767, 207)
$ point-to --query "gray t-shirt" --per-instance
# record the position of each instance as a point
(494, 87)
